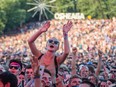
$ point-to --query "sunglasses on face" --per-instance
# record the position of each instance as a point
(15, 67)
(55, 42)
(113, 71)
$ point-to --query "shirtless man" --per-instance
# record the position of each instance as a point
(47, 59)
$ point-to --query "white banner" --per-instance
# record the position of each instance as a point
(69, 16)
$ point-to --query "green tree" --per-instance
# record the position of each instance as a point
(111, 8)
(3, 18)
(98, 8)
(13, 14)
(63, 6)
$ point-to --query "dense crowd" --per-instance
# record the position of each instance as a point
(91, 59)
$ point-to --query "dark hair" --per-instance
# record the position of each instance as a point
(112, 80)
(17, 61)
(86, 81)
(6, 77)
(91, 68)
(96, 78)
(103, 80)
(72, 77)
(22, 73)
(47, 71)
(28, 67)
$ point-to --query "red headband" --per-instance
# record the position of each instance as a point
(14, 64)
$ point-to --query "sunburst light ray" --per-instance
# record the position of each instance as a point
(41, 7)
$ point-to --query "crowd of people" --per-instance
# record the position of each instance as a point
(61, 53)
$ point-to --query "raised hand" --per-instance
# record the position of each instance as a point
(100, 53)
(35, 64)
(74, 50)
(67, 27)
(45, 27)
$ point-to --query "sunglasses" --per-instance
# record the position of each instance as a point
(55, 42)
(15, 67)
(113, 71)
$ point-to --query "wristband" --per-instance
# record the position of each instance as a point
(65, 35)
(36, 76)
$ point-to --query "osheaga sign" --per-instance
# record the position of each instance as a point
(69, 16)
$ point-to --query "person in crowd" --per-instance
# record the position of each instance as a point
(103, 83)
(28, 73)
(83, 68)
(49, 59)
(86, 83)
(21, 79)
(15, 66)
(40, 80)
(93, 79)
(8, 79)
(111, 81)
(74, 81)
(87, 36)
(64, 74)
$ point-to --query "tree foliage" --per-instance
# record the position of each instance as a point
(14, 12)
